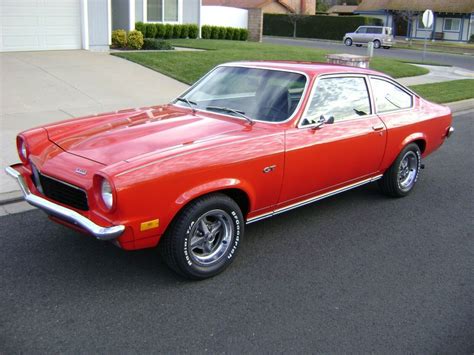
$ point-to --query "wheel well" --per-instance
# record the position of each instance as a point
(240, 197)
(421, 144)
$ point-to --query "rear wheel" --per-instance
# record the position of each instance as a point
(377, 44)
(348, 42)
(204, 238)
(400, 179)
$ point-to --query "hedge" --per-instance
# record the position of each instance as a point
(160, 31)
(315, 26)
(156, 44)
(229, 33)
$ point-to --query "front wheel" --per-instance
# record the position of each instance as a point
(348, 42)
(204, 238)
(377, 44)
(400, 179)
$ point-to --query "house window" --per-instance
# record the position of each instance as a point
(421, 26)
(159, 9)
(452, 24)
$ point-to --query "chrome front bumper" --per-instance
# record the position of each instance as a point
(66, 214)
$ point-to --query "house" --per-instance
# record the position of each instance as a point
(453, 19)
(82, 24)
(305, 7)
(342, 10)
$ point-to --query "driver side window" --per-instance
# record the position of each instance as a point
(341, 97)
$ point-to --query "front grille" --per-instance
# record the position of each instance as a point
(60, 191)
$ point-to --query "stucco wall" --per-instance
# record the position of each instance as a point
(224, 16)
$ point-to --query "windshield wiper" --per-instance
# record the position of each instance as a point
(231, 110)
(188, 102)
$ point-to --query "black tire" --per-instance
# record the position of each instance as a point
(386, 47)
(191, 262)
(393, 182)
(348, 42)
(358, 45)
(377, 44)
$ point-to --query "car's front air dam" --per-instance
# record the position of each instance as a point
(66, 214)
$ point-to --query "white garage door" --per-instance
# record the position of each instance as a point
(40, 25)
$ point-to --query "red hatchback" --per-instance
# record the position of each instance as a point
(248, 141)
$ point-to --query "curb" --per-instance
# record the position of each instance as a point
(7, 198)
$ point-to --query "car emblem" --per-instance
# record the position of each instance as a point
(81, 171)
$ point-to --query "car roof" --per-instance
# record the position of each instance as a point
(309, 68)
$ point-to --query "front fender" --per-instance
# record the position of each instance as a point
(215, 186)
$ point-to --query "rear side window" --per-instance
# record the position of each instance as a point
(374, 30)
(341, 98)
(389, 97)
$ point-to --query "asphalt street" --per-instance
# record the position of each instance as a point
(356, 273)
(457, 60)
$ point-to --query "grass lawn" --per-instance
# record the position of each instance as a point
(448, 91)
(187, 67)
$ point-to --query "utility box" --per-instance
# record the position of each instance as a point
(351, 60)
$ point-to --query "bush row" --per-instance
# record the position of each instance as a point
(165, 31)
(157, 44)
(130, 40)
(218, 32)
(314, 26)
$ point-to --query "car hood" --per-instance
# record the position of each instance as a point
(123, 135)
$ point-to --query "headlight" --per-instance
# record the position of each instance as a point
(22, 150)
(106, 194)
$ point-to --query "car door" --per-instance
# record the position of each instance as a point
(334, 155)
(360, 35)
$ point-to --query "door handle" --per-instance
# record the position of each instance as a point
(378, 127)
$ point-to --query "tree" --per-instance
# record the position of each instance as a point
(293, 19)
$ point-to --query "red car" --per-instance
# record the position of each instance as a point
(248, 141)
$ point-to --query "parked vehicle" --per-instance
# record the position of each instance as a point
(250, 140)
(380, 36)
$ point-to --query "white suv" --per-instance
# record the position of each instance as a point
(380, 36)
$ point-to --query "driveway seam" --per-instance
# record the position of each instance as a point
(61, 80)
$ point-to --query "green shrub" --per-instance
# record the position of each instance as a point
(168, 31)
(160, 30)
(471, 40)
(184, 31)
(140, 26)
(315, 26)
(229, 33)
(150, 30)
(119, 39)
(193, 31)
(156, 44)
(177, 31)
(222, 32)
(206, 32)
(243, 34)
(215, 31)
(135, 40)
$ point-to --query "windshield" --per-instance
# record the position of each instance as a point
(256, 94)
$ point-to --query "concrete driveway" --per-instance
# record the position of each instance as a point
(42, 87)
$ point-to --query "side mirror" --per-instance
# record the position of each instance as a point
(322, 121)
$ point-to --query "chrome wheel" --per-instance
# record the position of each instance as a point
(408, 171)
(211, 237)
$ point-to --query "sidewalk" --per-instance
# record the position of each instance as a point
(437, 74)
